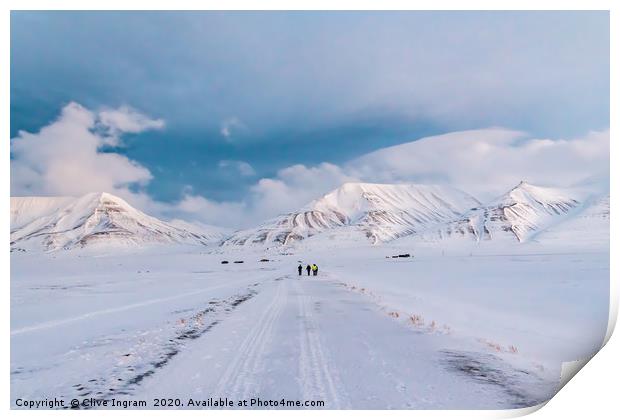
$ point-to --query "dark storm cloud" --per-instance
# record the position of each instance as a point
(273, 88)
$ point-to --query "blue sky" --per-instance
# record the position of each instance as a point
(275, 89)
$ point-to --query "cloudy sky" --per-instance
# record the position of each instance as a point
(229, 118)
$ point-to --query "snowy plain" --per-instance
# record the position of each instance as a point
(453, 327)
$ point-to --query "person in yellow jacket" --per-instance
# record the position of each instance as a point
(315, 269)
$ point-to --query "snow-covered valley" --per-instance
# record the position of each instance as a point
(367, 332)
(468, 321)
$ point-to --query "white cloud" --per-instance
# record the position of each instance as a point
(198, 208)
(128, 120)
(229, 126)
(485, 163)
(294, 187)
(489, 161)
(113, 123)
(64, 157)
(243, 168)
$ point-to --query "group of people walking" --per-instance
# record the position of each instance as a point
(310, 267)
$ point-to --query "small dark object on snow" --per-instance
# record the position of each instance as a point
(224, 262)
(404, 255)
(394, 256)
(238, 262)
(264, 260)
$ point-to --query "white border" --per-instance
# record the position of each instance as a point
(593, 394)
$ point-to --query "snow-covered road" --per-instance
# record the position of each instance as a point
(308, 338)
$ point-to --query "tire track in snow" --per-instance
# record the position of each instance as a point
(317, 382)
(239, 379)
(59, 322)
(146, 359)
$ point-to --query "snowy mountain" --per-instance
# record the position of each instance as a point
(588, 227)
(51, 223)
(521, 212)
(26, 209)
(381, 212)
(355, 212)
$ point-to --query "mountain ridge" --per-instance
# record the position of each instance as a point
(354, 212)
(381, 212)
(522, 211)
(95, 218)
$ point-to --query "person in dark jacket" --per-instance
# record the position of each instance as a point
(299, 269)
(308, 268)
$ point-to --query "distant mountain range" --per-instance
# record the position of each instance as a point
(382, 212)
(376, 213)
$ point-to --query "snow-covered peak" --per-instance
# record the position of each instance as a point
(348, 199)
(525, 192)
(379, 212)
(95, 218)
(357, 199)
(551, 201)
(519, 213)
